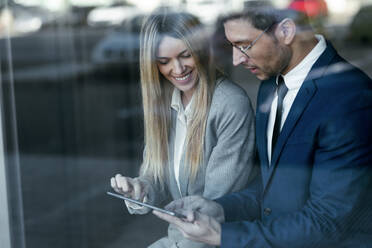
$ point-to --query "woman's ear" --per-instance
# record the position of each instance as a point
(286, 31)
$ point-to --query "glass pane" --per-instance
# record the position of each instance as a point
(72, 108)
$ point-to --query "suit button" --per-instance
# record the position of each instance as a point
(267, 211)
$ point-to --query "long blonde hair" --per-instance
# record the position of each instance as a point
(156, 92)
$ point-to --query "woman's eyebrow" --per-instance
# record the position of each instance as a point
(183, 51)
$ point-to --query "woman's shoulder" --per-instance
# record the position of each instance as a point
(229, 92)
(230, 102)
(229, 98)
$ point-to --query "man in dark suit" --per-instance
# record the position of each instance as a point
(314, 140)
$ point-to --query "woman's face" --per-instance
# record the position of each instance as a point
(177, 65)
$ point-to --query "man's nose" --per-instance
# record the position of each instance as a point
(238, 57)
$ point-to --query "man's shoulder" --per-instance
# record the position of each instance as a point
(331, 68)
(341, 88)
(341, 76)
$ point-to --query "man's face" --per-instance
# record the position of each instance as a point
(266, 58)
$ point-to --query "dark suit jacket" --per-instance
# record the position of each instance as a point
(317, 191)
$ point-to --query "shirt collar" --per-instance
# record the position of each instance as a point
(294, 78)
(177, 104)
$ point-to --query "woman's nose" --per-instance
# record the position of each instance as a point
(178, 67)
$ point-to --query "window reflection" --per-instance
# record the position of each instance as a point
(71, 93)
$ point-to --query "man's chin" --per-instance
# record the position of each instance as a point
(261, 77)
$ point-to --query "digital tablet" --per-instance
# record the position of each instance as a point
(146, 205)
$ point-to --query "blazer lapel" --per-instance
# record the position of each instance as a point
(265, 98)
(300, 103)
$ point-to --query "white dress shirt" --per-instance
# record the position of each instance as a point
(293, 80)
(183, 118)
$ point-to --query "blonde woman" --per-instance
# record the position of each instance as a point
(199, 126)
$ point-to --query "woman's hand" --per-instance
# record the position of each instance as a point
(129, 187)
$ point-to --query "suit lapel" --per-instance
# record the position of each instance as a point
(300, 103)
(302, 100)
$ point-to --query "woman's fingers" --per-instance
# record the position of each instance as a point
(115, 186)
(137, 189)
(121, 184)
(130, 187)
(126, 184)
(113, 183)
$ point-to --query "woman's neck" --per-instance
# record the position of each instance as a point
(186, 98)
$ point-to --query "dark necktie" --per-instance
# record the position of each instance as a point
(282, 91)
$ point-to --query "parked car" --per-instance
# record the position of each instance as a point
(20, 19)
(206, 10)
(119, 50)
(359, 29)
(312, 8)
(257, 3)
(314, 11)
(111, 15)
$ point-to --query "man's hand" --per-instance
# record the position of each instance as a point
(203, 218)
(198, 204)
(197, 227)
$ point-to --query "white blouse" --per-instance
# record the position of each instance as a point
(183, 118)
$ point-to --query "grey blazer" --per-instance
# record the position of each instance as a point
(229, 145)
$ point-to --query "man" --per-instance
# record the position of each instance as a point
(314, 140)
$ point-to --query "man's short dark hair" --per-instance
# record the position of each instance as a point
(266, 17)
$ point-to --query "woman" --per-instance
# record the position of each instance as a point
(199, 129)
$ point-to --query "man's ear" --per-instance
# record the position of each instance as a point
(286, 31)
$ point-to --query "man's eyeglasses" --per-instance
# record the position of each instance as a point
(245, 48)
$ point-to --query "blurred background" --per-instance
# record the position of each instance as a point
(71, 114)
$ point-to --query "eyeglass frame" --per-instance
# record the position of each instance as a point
(244, 50)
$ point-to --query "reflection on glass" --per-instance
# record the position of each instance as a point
(72, 67)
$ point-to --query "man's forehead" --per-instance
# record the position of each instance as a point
(238, 22)
(237, 29)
